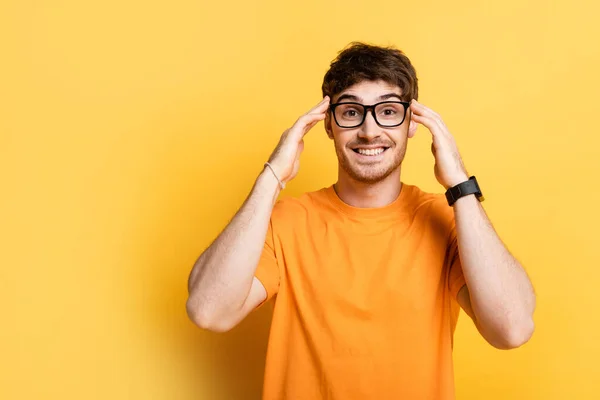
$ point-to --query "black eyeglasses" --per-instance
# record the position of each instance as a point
(387, 114)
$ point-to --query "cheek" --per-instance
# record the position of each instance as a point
(399, 137)
(342, 137)
(339, 145)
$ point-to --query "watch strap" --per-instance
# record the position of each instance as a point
(464, 189)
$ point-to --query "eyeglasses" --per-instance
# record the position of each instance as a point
(387, 114)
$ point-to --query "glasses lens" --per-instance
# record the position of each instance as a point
(390, 114)
(349, 115)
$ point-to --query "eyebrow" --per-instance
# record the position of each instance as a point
(352, 97)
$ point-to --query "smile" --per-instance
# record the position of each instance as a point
(370, 152)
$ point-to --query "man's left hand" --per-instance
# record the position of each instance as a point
(449, 168)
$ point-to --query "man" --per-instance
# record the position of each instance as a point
(369, 272)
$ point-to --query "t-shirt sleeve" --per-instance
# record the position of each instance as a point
(267, 271)
(456, 278)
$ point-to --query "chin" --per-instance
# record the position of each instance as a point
(366, 173)
(369, 173)
(369, 177)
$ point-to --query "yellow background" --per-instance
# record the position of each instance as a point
(131, 131)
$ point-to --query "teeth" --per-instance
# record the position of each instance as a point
(371, 152)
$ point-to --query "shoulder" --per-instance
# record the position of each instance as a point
(305, 204)
(427, 200)
(432, 208)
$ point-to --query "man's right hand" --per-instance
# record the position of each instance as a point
(285, 159)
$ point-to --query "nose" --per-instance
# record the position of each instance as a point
(369, 129)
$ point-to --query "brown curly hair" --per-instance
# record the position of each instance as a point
(360, 61)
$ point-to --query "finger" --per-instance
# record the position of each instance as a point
(323, 104)
(304, 124)
(436, 126)
(439, 139)
(322, 109)
(423, 111)
(420, 109)
(428, 122)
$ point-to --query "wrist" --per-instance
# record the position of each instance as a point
(276, 174)
(269, 181)
(472, 197)
(458, 180)
(463, 189)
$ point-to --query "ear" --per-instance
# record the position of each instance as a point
(327, 123)
(412, 128)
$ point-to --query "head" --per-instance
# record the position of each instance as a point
(367, 75)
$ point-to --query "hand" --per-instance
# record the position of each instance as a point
(285, 159)
(449, 168)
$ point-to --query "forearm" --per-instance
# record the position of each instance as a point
(222, 276)
(501, 294)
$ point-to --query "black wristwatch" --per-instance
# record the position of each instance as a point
(464, 189)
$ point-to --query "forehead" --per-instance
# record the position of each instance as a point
(369, 91)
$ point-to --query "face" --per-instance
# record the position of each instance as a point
(369, 153)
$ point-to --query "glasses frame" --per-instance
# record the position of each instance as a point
(366, 109)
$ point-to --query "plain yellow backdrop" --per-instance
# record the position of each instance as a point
(131, 132)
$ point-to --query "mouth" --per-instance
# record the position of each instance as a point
(371, 152)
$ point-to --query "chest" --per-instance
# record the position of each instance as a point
(401, 269)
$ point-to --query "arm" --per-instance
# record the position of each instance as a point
(222, 287)
(498, 296)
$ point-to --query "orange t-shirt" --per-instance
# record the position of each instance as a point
(366, 298)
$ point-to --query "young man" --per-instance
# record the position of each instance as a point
(369, 272)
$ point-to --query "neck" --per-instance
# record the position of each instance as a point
(368, 195)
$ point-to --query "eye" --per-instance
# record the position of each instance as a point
(350, 111)
(389, 111)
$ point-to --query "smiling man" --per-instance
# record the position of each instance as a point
(368, 274)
